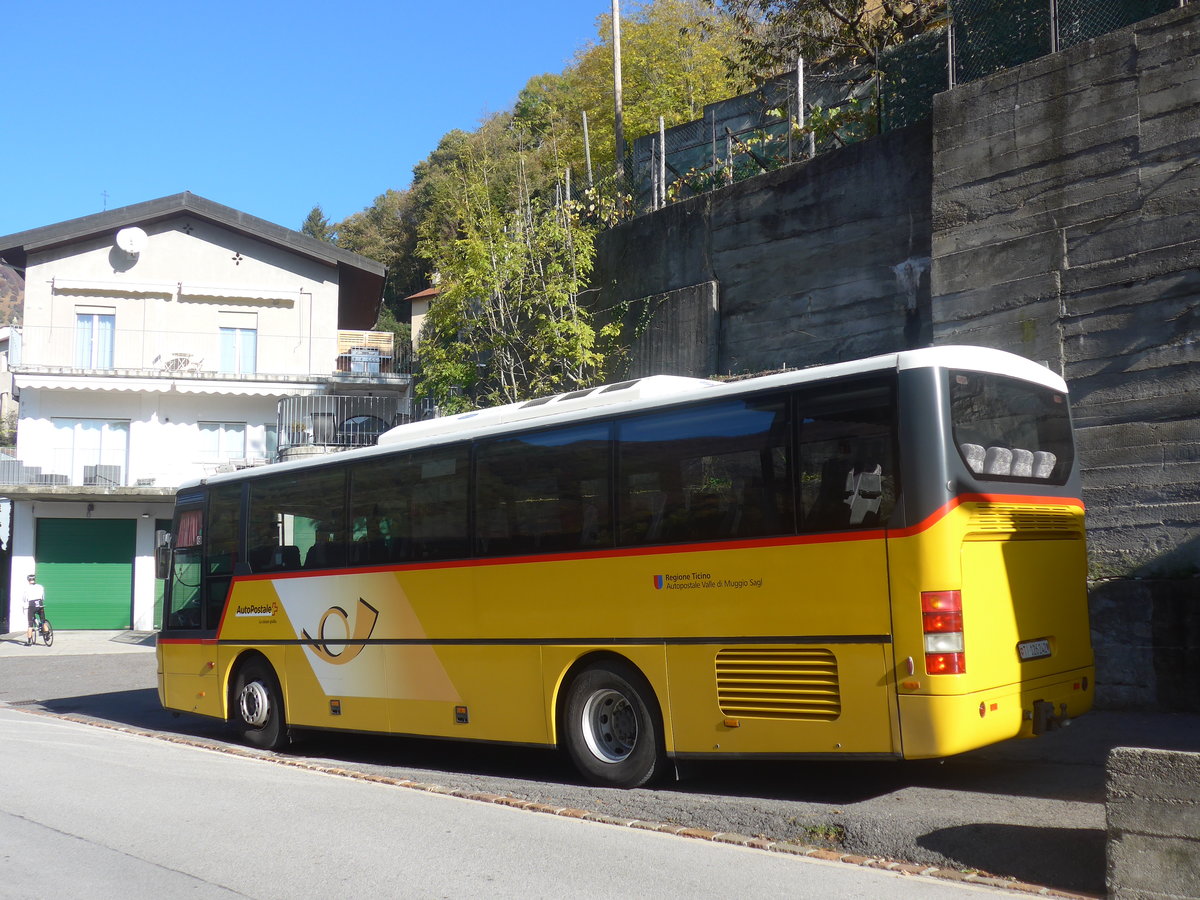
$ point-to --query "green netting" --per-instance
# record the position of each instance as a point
(910, 75)
(991, 35)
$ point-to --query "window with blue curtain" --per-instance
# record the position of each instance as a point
(94, 340)
(239, 350)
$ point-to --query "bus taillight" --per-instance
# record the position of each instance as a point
(943, 626)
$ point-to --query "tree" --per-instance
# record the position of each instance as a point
(770, 34)
(673, 62)
(316, 225)
(508, 324)
(386, 231)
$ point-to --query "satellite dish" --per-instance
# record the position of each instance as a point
(132, 240)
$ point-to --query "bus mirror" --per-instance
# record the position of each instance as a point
(162, 538)
(162, 561)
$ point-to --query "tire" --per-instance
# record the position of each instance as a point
(48, 635)
(612, 726)
(257, 704)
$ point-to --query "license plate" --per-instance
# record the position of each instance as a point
(1038, 649)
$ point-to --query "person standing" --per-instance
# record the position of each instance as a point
(34, 604)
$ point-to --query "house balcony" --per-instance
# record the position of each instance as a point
(345, 357)
(327, 423)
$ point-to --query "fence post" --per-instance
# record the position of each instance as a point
(950, 54)
(662, 160)
(587, 149)
(1054, 42)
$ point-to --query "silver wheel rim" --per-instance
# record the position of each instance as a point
(610, 726)
(255, 704)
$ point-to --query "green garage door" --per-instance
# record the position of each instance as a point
(86, 566)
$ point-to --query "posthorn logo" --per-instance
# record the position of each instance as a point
(658, 582)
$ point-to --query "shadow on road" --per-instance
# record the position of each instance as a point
(1070, 859)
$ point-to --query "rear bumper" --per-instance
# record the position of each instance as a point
(933, 726)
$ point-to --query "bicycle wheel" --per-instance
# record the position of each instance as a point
(48, 634)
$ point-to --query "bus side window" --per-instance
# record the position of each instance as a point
(437, 482)
(297, 520)
(847, 474)
(712, 472)
(543, 491)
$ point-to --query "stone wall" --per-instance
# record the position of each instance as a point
(1153, 810)
(817, 262)
(1066, 228)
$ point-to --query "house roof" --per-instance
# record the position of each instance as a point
(360, 280)
(427, 294)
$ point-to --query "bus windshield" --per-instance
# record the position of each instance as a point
(1010, 430)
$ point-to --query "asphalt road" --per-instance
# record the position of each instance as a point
(88, 804)
(1028, 810)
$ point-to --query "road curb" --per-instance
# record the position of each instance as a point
(770, 845)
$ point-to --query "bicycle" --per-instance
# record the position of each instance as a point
(43, 629)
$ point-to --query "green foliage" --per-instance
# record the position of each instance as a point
(770, 34)
(402, 331)
(508, 324)
(386, 232)
(317, 226)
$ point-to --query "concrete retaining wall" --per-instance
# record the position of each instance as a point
(818, 262)
(1153, 811)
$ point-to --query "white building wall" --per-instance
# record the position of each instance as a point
(175, 295)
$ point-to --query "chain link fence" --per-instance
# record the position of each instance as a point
(991, 35)
(804, 112)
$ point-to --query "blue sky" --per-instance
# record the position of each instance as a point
(263, 105)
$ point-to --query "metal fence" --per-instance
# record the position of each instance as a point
(803, 113)
(991, 35)
(331, 422)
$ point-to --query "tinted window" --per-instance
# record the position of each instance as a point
(1010, 430)
(185, 609)
(847, 469)
(544, 492)
(711, 472)
(297, 519)
(221, 539)
(409, 507)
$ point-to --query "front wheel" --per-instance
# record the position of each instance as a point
(47, 633)
(613, 729)
(258, 707)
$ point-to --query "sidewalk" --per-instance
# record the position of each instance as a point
(79, 643)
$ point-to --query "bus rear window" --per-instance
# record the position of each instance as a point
(1010, 430)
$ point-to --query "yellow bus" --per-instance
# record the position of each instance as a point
(874, 559)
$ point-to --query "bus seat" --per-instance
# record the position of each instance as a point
(998, 461)
(974, 454)
(274, 559)
(864, 490)
(1022, 463)
(1043, 464)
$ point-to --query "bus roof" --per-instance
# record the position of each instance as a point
(657, 390)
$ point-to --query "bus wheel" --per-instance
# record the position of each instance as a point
(613, 731)
(258, 707)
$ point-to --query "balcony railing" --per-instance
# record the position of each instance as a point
(170, 353)
(328, 423)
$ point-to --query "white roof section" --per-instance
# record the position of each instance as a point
(654, 387)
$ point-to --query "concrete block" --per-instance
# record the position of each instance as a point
(1153, 812)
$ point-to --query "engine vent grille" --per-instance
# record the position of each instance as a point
(996, 520)
(779, 684)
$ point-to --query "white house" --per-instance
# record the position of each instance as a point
(161, 342)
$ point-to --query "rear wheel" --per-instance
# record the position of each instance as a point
(612, 726)
(258, 707)
(47, 633)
